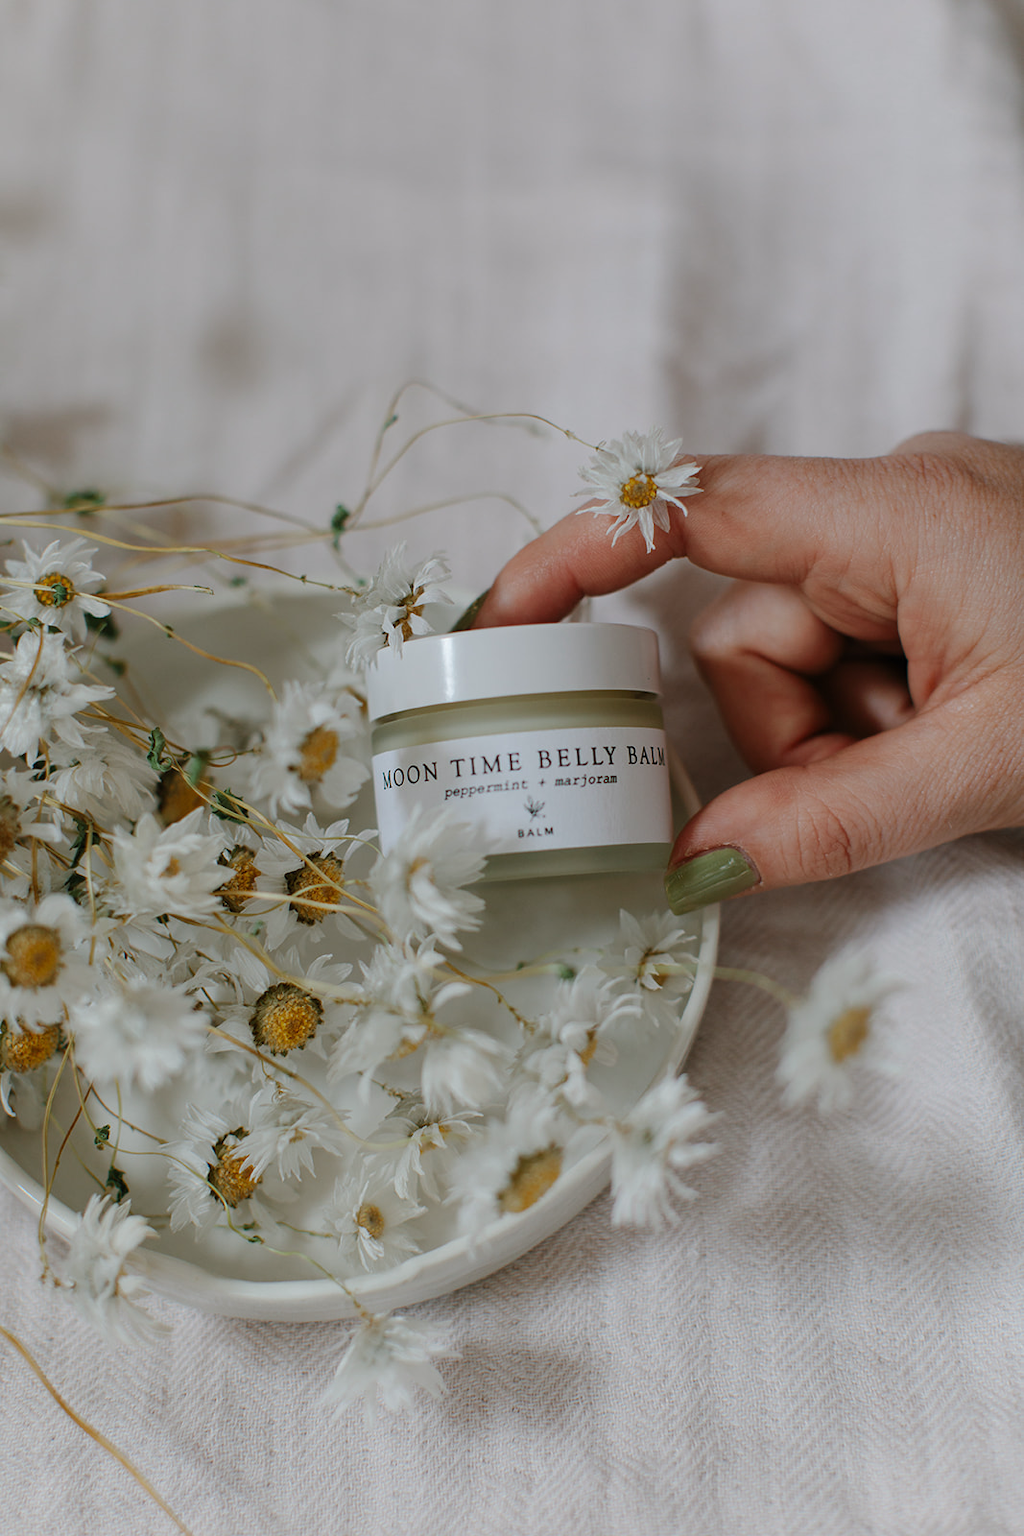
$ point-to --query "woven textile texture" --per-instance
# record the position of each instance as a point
(226, 232)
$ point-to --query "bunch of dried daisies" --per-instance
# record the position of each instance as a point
(170, 919)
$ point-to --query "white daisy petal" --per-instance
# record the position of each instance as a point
(96, 1275)
(55, 587)
(419, 884)
(389, 1357)
(650, 1148)
(637, 478)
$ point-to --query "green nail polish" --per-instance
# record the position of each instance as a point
(710, 877)
(466, 620)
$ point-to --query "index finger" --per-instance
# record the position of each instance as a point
(761, 517)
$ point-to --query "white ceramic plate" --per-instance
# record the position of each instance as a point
(291, 635)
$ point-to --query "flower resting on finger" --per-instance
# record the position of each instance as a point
(832, 1033)
(637, 478)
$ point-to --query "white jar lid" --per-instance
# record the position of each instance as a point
(510, 660)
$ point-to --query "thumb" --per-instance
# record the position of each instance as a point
(932, 779)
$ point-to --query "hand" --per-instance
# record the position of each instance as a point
(868, 660)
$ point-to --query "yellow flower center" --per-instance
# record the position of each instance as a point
(285, 1018)
(370, 1218)
(230, 1176)
(34, 956)
(639, 491)
(22, 1050)
(316, 754)
(587, 1053)
(848, 1032)
(533, 1177)
(411, 1042)
(177, 797)
(318, 887)
(10, 826)
(54, 590)
(234, 893)
(413, 609)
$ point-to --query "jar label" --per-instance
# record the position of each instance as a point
(574, 787)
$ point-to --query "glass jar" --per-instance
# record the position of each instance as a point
(547, 737)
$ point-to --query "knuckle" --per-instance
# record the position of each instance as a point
(829, 843)
(937, 478)
(941, 442)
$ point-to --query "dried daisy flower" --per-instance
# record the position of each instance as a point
(96, 1275)
(422, 1163)
(286, 1128)
(513, 1163)
(315, 887)
(282, 1010)
(137, 1031)
(168, 869)
(55, 586)
(398, 1002)
(389, 610)
(23, 1050)
(285, 1018)
(653, 958)
(40, 694)
(303, 748)
(238, 889)
(831, 1033)
(574, 1034)
(230, 1175)
(101, 774)
(390, 1358)
(462, 1069)
(206, 1171)
(20, 807)
(370, 1220)
(44, 968)
(419, 884)
(637, 478)
(650, 1148)
(304, 882)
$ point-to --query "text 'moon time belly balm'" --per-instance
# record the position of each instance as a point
(547, 737)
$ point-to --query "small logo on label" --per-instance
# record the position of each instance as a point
(535, 807)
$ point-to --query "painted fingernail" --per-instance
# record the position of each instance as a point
(709, 877)
(466, 620)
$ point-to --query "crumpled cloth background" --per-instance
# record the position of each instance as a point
(226, 232)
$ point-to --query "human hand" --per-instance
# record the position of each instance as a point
(868, 659)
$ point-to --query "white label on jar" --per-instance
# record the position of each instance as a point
(578, 787)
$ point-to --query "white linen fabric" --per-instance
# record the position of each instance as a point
(226, 232)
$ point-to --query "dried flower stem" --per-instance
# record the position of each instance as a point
(93, 1433)
(296, 1077)
(453, 421)
(47, 1176)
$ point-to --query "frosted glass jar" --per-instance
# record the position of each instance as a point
(548, 737)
